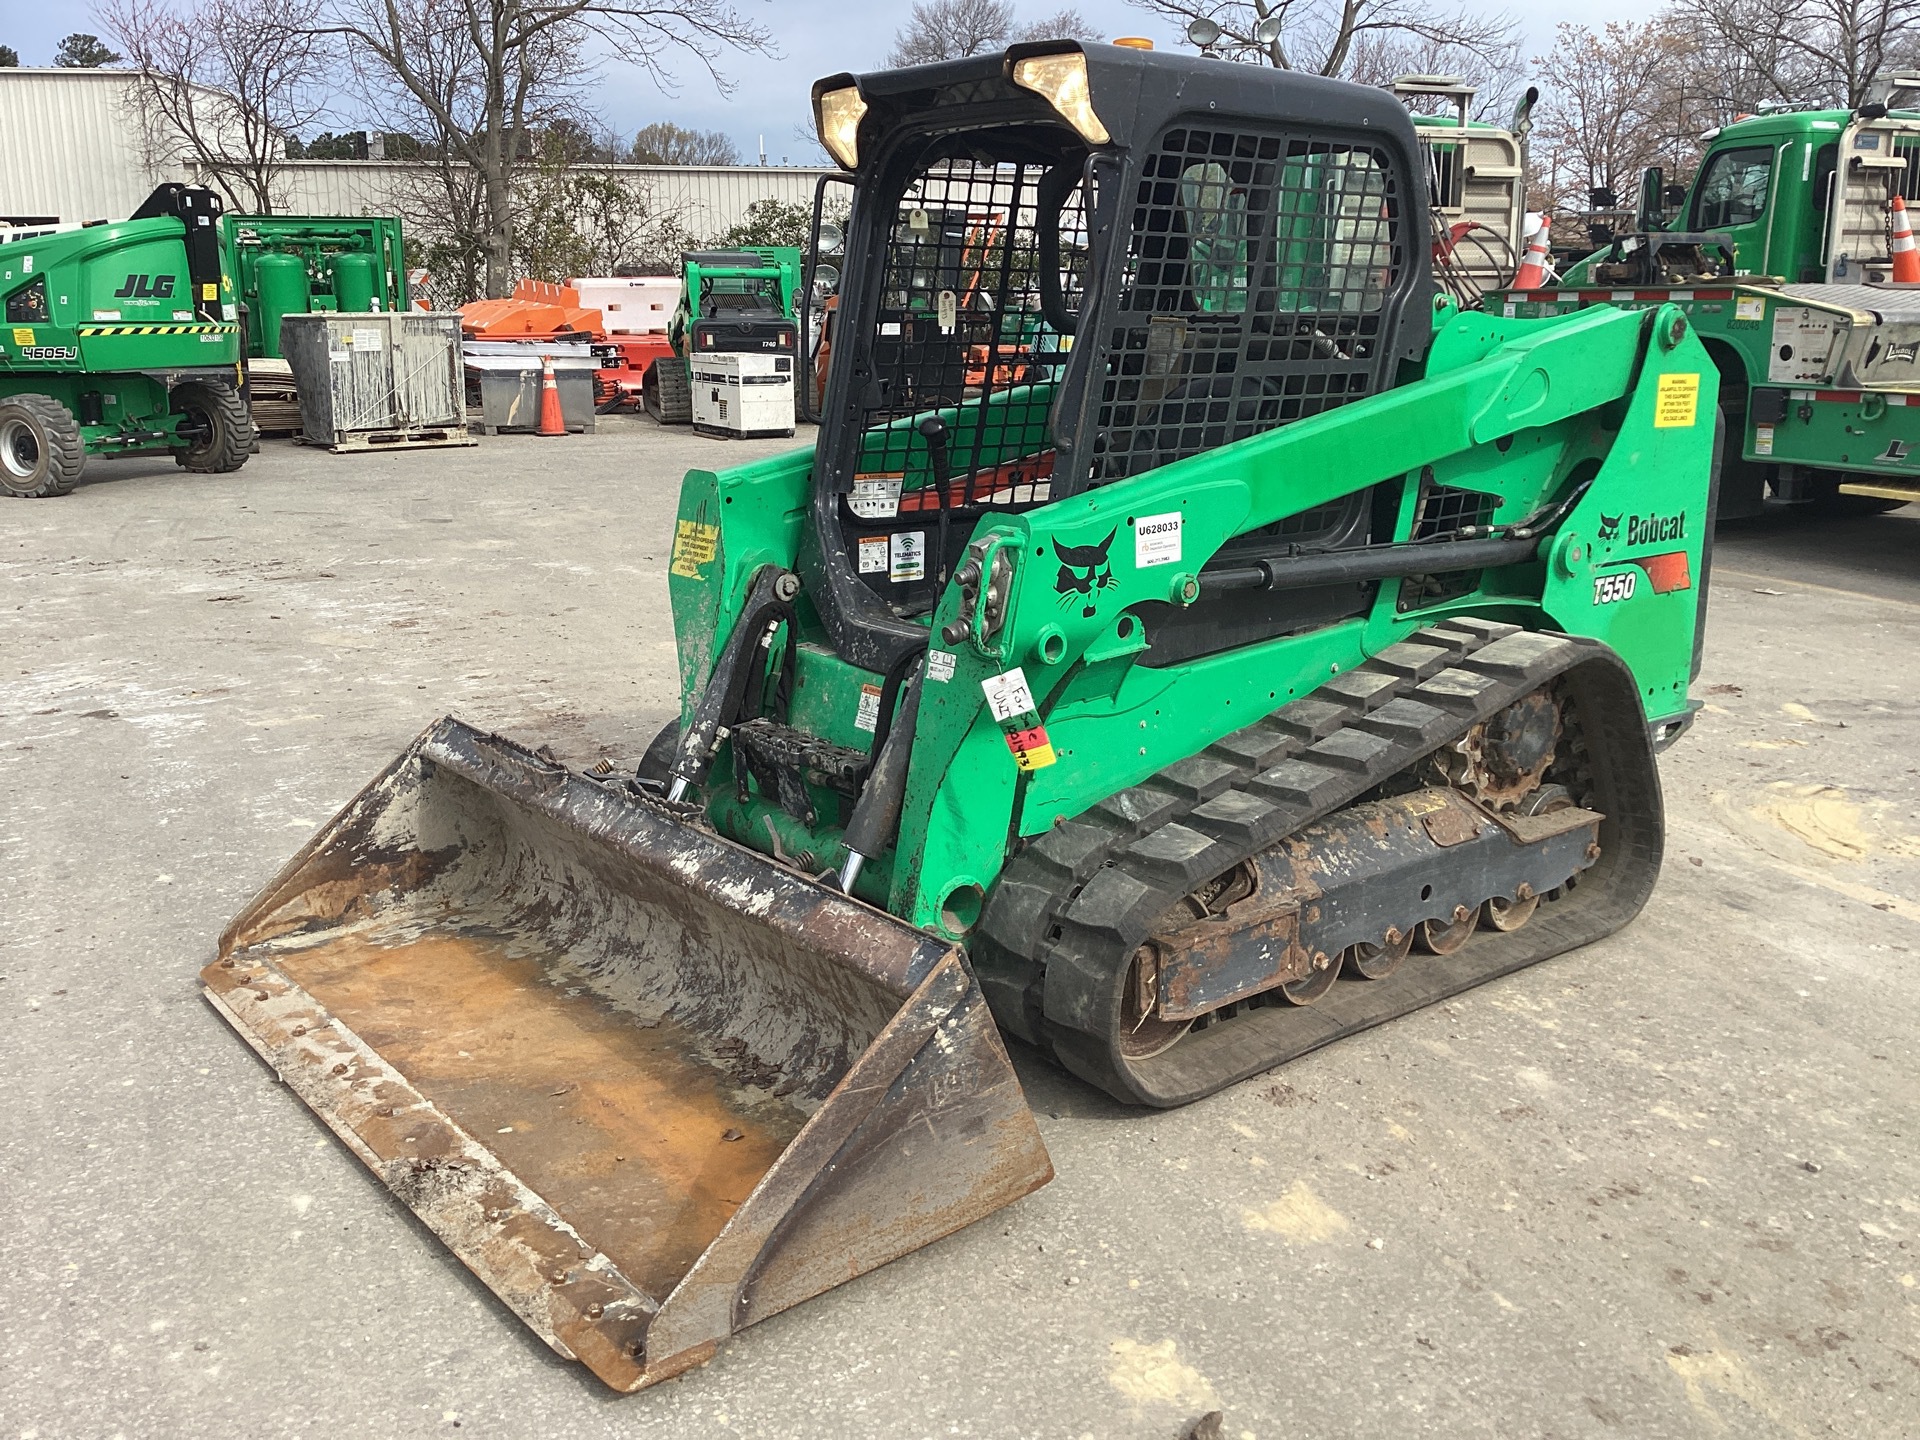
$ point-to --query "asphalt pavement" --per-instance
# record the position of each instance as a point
(1668, 1185)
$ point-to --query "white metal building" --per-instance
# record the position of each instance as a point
(73, 146)
(706, 199)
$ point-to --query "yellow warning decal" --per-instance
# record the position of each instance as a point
(1676, 401)
(209, 292)
(23, 337)
(694, 545)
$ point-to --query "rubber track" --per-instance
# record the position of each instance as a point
(1069, 910)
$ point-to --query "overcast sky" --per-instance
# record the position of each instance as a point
(814, 38)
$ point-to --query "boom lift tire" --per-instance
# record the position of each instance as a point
(220, 424)
(41, 451)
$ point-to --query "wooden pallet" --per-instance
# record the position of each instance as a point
(425, 437)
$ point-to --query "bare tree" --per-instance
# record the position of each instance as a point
(953, 29)
(950, 29)
(1067, 24)
(1383, 58)
(664, 143)
(227, 83)
(480, 72)
(1799, 52)
(1614, 101)
(1328, 36)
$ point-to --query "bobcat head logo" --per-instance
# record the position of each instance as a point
(1609, 527)
(1085, 571)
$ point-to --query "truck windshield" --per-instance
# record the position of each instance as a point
(1733, 189)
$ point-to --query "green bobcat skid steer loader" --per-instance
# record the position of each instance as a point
(736, 301)
(119, 339)
(1264, 664)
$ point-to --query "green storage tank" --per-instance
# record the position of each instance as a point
(356, 281)
(281, 281)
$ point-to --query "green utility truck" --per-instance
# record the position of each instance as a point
(730, 301)
(1779, 253)
(119, 339)
(292, 264)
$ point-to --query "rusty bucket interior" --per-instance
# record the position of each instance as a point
(649, 1085)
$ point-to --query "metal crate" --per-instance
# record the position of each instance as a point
(378, 381)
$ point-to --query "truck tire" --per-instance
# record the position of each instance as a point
(668, 391)
(222, 434)
(41, 452)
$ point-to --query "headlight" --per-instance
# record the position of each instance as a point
(1062, 81)
(840, 112)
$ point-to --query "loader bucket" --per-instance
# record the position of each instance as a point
(649, 1085)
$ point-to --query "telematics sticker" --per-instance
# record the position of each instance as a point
(940, 665)
(872, 550)
(907, 559)
(876, 497)
(1008, 695)
(1156, 540)
(1675, 401)
(868, 716)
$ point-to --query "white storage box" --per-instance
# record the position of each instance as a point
(743, 395)
(636, 305)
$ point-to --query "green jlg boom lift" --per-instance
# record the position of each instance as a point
(119, 339)
(1262, 665)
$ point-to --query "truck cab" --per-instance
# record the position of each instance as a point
(1780, 250)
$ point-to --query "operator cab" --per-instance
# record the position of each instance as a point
(1070, 265)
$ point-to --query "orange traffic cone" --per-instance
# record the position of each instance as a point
(1533, 269)
(552, 422)
(1906, 260)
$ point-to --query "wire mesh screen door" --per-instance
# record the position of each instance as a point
(960, 329)
(1256, 276)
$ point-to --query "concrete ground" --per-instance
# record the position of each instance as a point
(1666, 1186)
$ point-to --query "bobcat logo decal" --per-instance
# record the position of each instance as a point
(1085, 571)
(1609, 527)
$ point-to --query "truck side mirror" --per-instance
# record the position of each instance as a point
(1652, 211)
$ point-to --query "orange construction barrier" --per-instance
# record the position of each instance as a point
(539, 310)
(1533, 269)
(1906, 260)
(552, 421)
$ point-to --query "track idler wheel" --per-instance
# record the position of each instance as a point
(1143, 1034)
(1445, 937)
(1510, 914)
(1315, 983)
(1376, 962)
